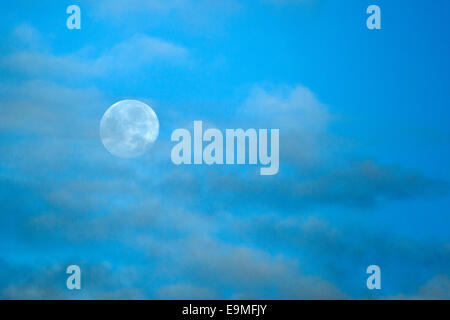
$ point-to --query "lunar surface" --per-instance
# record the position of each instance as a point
(129, 128)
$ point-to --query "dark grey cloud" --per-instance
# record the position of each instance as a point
(437, 287)
(344, 252)
(315, 166)
(360, 184)
(47, 281)
(246, 272)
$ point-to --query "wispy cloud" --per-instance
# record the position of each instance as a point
(315, 170)
(128, 56)
(100, 281)
(436, 288)
(46, 108)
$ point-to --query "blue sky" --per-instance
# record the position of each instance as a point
(364, 150)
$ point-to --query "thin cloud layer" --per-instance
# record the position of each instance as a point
(128, 56)
(204, 16)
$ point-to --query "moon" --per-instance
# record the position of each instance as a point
(129, 128)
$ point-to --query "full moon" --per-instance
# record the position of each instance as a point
(129, 128)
